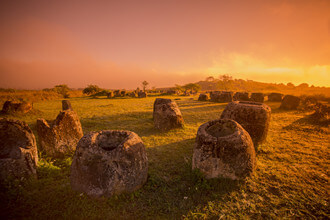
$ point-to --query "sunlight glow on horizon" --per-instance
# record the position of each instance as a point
(119, 45)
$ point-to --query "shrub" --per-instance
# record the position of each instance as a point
(91, 90)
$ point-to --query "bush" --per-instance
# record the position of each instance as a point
(101, 93)
(92, 90)
(63, 90)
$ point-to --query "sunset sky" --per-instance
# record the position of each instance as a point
(118, 44)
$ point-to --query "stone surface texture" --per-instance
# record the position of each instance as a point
(167, 114)
(241, 96)
(66, 105)
(290, 102)
(214, 96)
(221, 96)
(61, 136)
(18, 150)
(257, 97)
(203, 97)
(275, 97)
(254, 117)
(108, 163)
(224, 149)
(16, 107)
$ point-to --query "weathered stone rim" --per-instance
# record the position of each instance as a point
(250, 103)
(203, 129)
(115, 138)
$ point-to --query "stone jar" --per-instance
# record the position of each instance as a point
(224, 149)
(167, 114)
(60, 137)
(18, 150)
(203, 97)
(66, 105)
(290, 102)
(253, 116)
(275, 97)
(16, 107)
(257, 97)
(241, 96)
(109, 162)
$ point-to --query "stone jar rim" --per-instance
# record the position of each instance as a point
(118, 139)
(250, 104)
(203, 129)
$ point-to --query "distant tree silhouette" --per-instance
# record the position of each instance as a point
(225, 82)
(290, 84)
(144, 85)
(209, 79)
(225, 77)
(303, 85)
(62, 89)
(178, 88)
(91, 90)
(192, 87)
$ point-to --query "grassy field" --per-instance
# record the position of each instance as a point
(291, 180)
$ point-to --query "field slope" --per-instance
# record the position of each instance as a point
(291, 180)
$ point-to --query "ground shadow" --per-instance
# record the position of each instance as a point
(309, 120)
(171, 178)
(139, 122)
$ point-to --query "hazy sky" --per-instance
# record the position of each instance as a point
(118, 44)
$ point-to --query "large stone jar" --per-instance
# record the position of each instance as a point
(290, 102)
(18, 150)
(275, 97)
(203, 97)
(109, 162)
(60, 137)
(241, 96)
(253, 116)
(10, 107)
(223, 149)
(167, 115)
(257, 97)
(66, 105)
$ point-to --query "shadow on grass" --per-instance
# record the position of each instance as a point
(308, 120)
(194, 103)
(172, 184)
(139, 122)
(280, 111)
(172, 190)
(33, 112)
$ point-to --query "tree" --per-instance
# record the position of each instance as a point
(303, 85)
(209, 79)
(62, 89)
(178, 88)
(290, 84)
(192, 87)
(225, 77)
(144, 85)
(91, 89)
(225, 82)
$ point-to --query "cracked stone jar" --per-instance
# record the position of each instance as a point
(253, 116)
(109, 162)
(223, 149)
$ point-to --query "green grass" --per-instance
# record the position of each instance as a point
(291, 180)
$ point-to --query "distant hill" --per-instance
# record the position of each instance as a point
(226, 82)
